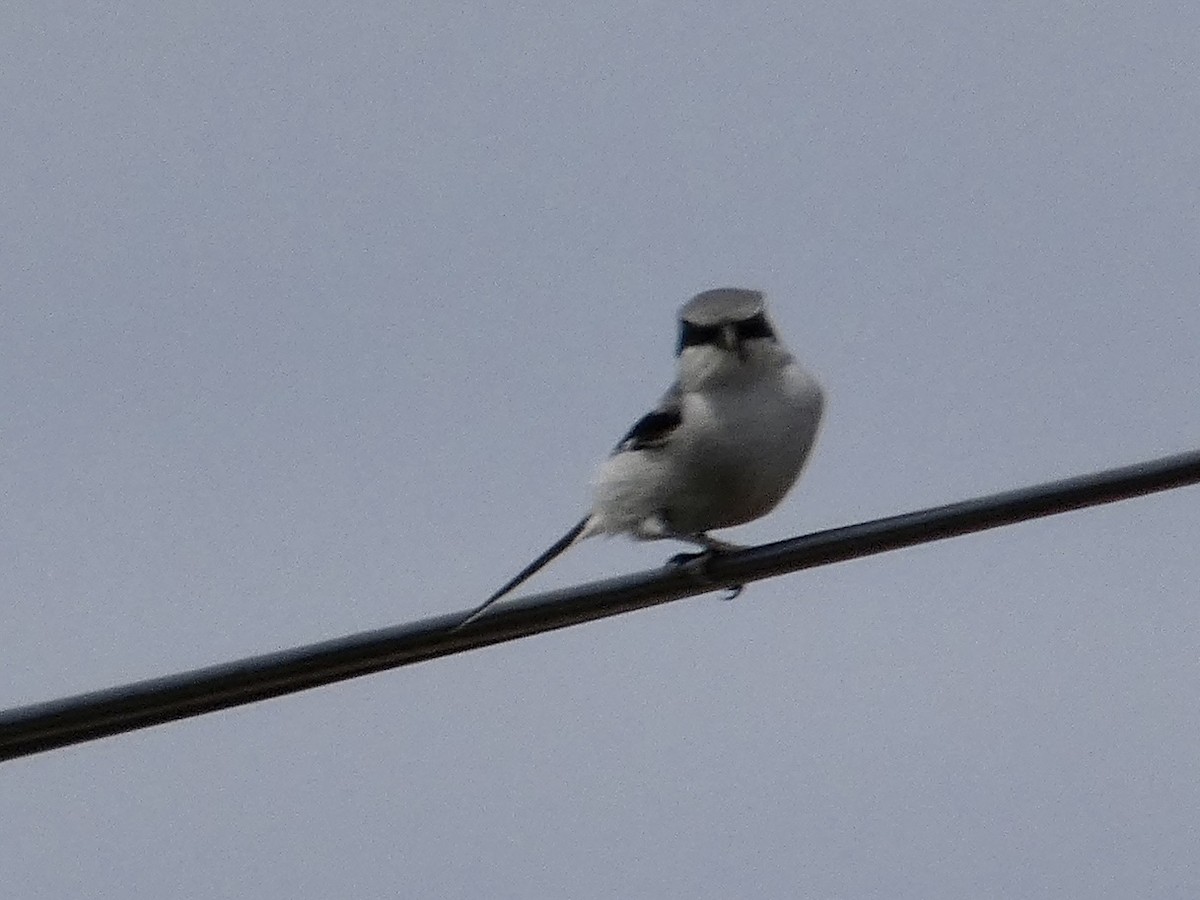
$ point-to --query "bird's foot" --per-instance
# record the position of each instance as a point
(716, 545)
(696, 566)
(693, 562)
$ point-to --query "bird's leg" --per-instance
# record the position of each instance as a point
(712, 546)
(716, 545)
(696, 564)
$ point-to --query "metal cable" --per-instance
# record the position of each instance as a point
(70, 720)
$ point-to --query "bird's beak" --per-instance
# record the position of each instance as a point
(730, 342)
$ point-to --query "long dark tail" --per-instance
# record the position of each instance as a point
(554, 550)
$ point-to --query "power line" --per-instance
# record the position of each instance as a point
(70, 720)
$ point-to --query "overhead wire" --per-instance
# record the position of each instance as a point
(70, 720)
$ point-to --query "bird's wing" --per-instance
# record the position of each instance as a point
(655, 428)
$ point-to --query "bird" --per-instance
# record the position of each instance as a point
(721, 448)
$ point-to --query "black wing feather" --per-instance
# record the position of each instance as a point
(651, 430)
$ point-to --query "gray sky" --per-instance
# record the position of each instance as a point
(316, 318)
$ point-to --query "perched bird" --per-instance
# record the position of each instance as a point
(724, 445)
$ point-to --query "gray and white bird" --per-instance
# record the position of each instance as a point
(724, 445)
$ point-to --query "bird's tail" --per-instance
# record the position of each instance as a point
(577, 533)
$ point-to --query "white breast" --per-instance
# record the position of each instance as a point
(738, 450)
(744, 449)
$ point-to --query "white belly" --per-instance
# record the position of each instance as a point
(733, 458)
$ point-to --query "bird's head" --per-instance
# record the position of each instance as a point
(724, 335)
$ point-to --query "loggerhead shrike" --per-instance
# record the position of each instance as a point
(722, 447)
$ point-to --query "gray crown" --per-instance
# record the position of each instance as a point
(722, 305)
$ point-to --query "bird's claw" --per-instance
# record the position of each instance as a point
(696, 566)
(690, 560)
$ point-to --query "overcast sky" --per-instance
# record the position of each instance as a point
(316, 318)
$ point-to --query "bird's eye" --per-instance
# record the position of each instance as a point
(694, 335)
(754, 327)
